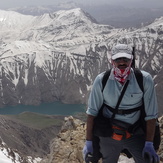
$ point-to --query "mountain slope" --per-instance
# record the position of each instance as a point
(25, 138)
(41, 51)
(10, 20)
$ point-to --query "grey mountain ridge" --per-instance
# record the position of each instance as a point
(116, 15)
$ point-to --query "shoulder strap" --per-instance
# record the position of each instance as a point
(139, 78)
(105, 78)
(120, 98)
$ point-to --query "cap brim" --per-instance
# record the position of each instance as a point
(121, 55)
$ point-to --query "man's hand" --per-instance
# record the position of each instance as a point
(88, 148)
(149, 153)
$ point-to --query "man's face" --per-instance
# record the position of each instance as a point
(122, 63)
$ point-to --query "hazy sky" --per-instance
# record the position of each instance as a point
(18, 3)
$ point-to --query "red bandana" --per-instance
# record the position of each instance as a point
(121, 74)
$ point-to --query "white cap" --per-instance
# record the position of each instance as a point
(122, 50)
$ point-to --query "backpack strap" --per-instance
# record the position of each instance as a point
(105, 78)
(122, 112)
(139, 78)
(120, 99)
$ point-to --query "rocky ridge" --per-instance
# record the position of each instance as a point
(67, 146)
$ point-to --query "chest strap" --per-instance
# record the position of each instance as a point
(122, 112)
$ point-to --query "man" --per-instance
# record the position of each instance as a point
(137, 144)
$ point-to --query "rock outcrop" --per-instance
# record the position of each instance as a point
(67, 146)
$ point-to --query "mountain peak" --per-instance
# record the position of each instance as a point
(67, 5)
(76, 13)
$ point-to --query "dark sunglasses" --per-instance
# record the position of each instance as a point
(118, 60)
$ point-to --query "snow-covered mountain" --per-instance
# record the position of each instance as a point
(57, 56)
(62, 25)
(45, 50)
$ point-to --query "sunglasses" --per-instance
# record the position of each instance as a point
(118, 60)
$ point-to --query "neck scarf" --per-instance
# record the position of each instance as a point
(121, 74)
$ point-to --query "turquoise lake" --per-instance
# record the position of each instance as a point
(56, 108)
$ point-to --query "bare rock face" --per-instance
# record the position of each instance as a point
(67, 146)
(161, 145)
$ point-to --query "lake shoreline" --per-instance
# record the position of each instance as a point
(55, 108)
